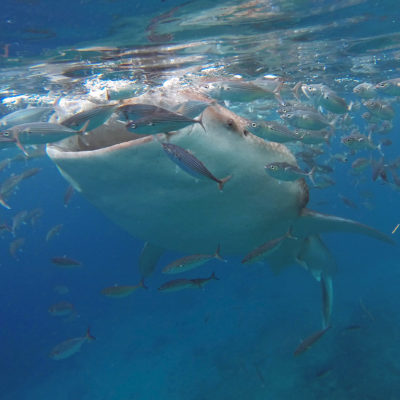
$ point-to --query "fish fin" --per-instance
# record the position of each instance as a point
(141, 284)
(89, 336)
(20, 146)
(311, 174)
(278, 97)
(148, 259)
(217, 254)
(311, 222)
(4, 204)
(327, 300)
(213, 276)
(200, 121)
(222, 182)
(84, 127)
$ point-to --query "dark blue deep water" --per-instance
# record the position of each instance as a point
(235, 337)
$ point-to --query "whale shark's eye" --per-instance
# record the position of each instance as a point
(230, 122)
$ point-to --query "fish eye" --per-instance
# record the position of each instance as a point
(254, 125)
(229, 122)
(132, 125)
(5, 133)
(206, 86)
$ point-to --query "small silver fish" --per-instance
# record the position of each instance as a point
(314, 137)
(325, 97)
(71, 346)
(365, 90)
(390, 87)
(161, 122)
(273, 131)
(190, 164)
(90, 119)
(306, 120)
(61, 309)
(263, 251)
(27, 115)
(189, 262)
(181, 284)
(380, 109)
(358, 141)
(55, 230)
(36, 133)
(284, 171)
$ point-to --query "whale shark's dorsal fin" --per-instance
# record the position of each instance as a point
(311, 222)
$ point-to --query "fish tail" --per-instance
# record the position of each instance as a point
(289, 233)
(311, 174)
(217, 254)
(141, 284)
(200, 121)
(295, 90)
(221, 182)
(20, 146)
(4, 204)
(84, 127)
(213, 276)
(89, 336)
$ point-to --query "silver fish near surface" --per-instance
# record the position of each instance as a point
(131, 112)
(161, 122)
(358, 141)
(365, 90)
(380, 109)
(323, 96)
(190, 164)
(288, 172)
(309, 341)
(190, 262)
(90, 119)
(273, 131)
(314, 137)
(36, 133)
(240, 90)
(306, 120)
(27, 115)
(390, 87)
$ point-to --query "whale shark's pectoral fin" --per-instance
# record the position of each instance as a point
(311, 222)
(148, 259)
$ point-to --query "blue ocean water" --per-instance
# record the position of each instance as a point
(234, 338)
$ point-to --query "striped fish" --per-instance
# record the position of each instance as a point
(263, 251)
(190, 164)
(161, 122)
(27, 115)
(36, 133)
(94, 118)
(190, 262)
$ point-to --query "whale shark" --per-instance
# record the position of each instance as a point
(130, 179)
